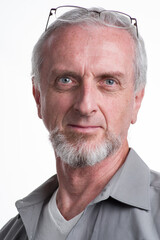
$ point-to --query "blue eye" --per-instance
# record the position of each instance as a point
(65, 80)
(109, 81)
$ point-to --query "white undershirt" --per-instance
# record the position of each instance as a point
(52, 224)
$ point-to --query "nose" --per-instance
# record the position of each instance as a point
(86, 100)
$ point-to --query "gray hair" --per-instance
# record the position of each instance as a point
(91, 17)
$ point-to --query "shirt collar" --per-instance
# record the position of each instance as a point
(30, 207)
(130, 184)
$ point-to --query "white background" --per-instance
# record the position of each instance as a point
(26, 156)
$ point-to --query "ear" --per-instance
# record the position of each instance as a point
(37, 97)
(137, 104)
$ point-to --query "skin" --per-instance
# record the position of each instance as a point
(87, 86)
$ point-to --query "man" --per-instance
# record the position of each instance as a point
(89, 74)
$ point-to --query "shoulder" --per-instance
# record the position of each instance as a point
(155, 179)
(155, 188)
(155, 198)
(155, 192)
(14, 230)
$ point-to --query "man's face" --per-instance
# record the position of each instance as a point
(87, 83)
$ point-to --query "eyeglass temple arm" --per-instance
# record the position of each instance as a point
(135, 24)
(50, 14)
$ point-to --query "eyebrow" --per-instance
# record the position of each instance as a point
(64, 73)
(116, 74)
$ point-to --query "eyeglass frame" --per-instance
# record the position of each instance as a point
(72, 6)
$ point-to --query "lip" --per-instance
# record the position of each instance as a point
(84, 128)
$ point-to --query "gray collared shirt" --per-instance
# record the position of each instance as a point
(127, 209)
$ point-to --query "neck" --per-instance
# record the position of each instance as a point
(78, 187)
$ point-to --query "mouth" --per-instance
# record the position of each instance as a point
(84, 129)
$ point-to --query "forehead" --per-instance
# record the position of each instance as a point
(74, 44)
(84, 32)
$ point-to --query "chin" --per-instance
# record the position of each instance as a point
(80, 150)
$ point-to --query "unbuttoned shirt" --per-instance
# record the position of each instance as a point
(128, 208)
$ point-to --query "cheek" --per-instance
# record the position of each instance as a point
(53, 110)
(118, 114)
